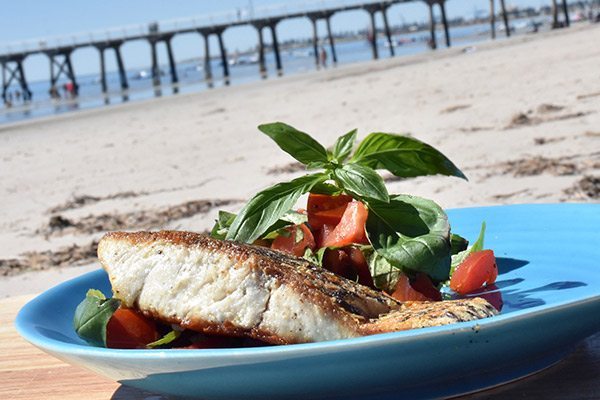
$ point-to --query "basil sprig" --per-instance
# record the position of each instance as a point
(92, 316)
(412, 234)
(355, 173)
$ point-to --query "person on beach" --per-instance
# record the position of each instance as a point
(323, 57)
(8, 100)
(54, 93)
(69, 88)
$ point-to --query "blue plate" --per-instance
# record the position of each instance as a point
(548, 257)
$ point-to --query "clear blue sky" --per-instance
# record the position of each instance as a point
(35, 19)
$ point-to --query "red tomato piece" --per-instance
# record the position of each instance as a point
(129, 329)
(349, 263)
(351, 228)
(289, 244)
(493, 275)
(492, 294)
(360, 265)
(338, 262)
(323, 232)
(423, 284)
(324, 209)
(420, 289)
(478, 268)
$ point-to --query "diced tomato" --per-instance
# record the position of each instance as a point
(351, 228)
(324, 209)
(360, 265)
(493, 275)
(129, 329)
(492, 294)
(293, 245)
(338, 262)
(350, 263)
(327, 217)
(476, 270)
(423, 284)
(419, 289)
(324, 231)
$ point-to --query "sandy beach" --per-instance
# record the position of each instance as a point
(520, 117)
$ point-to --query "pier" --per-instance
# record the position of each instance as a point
(59, 50)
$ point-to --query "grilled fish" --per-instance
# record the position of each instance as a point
(227, 288)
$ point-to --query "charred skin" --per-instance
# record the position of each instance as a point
(423, 314)
(227, 288)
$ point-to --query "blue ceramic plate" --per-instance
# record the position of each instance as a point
(549, 282)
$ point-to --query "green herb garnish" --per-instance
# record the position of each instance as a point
(166, 339)
(407, 233)
(92, 316)
(403, 156)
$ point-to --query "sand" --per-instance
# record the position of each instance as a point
(521, 117)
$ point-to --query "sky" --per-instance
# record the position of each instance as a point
(36, 19)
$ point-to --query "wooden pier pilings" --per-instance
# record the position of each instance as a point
(12, 69)
(314, 18)
(262, 67)
(116, 46)
(433, 39)
(61, 66)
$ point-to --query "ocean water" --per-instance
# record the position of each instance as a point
(191, 74)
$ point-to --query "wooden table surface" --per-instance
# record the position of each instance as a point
(28, 373)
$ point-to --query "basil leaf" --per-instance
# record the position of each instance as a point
(310, 256)
(92, 316)
(411, 233)
(267, 206)
(385, 276)
(478, 245)
(343, 146)
(403, 156)
(458, 258)
(166, 339)
(96, 293)
(295, 218)
(298, 144)
(361, 182)
(457, 243)
(326, 188)
(222, 224)
(317, 165)
(320, 254)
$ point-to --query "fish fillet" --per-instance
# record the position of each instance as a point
(222, 287)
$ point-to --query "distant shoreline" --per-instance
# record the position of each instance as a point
(192, 80)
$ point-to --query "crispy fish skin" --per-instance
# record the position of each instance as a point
(228, 288)
(424, 314)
